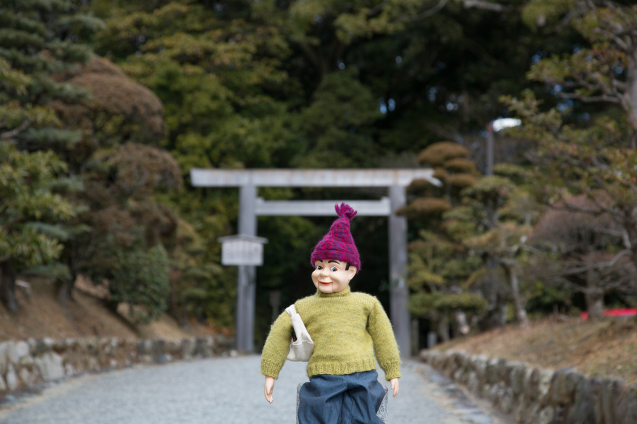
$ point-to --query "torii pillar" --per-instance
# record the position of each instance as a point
(399, 294)
(247, 275)
(250, 207)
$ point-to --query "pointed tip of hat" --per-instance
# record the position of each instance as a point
(345, 211)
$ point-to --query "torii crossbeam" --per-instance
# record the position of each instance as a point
(250, 206)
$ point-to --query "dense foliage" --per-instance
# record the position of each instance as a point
(106, 106)
(140, 280)
(77, 184)
(33, 47)
(31, 213)
(585, 168)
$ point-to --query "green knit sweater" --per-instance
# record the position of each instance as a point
(347, 329)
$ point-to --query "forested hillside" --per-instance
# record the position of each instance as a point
(107, 104)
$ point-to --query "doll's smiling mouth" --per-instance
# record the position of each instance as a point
(325, 283)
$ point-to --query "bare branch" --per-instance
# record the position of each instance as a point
(485, 5)
(615, 259)
(570, 16)
(376, 10)
(437, 8)
(617, 30)
(619, 85)
(610, 232)
(598, 265)
(12, 222)
(10, 134)
(620, 43)
(580, 82)
(609, 4)
(590, 99)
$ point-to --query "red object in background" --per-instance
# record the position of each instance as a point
(614, 313)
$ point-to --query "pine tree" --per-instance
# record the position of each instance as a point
(37, 42)
(584, 149)
(29, 214)
(439, 263)
(503, 212)
(38, 39)
(475, 227)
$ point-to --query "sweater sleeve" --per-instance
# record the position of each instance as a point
(277, 346)
(385, 345)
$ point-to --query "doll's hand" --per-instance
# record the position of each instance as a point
(394, 385)
(269, 386)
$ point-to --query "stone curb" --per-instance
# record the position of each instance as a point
(24, 364)
(536, 395)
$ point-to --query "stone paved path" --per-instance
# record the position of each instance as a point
(224, 391)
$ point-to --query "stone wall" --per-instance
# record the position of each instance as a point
(27, 363)
(539, 396)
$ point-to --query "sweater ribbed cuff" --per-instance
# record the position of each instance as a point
(270, 368)
(392, 370)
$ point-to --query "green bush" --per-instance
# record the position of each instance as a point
(140, 279)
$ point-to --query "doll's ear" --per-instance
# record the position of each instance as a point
(351, 271)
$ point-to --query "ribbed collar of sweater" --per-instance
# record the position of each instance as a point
(343, 293)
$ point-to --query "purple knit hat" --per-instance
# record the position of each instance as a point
(338, 242)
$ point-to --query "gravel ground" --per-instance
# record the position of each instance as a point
(223, 390)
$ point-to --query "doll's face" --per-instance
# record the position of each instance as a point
(330, 275)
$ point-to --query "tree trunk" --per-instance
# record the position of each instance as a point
(594, 298)
(595, 305)
(65, 291)
(630, 96)
(7, 287)
(503, 312)
(520, 312)
(495, 303)
(324, 63)
(631, 229)
(443, 327)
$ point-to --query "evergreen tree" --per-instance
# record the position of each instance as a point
(504, 213)
(228, 104)
(128, 224)
(585, 146)
(439, 263)
(37, 38)
(89, 112)
(37, 42)
(120, 177)
(325, 84)
(30, 214)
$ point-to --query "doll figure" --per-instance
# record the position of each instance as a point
(347, 328)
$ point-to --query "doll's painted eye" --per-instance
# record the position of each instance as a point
(333, 269)
(319, 267)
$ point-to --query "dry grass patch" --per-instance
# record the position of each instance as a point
(606, 348)
(42, 315)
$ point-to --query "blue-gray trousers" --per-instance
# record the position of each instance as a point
(341, 399)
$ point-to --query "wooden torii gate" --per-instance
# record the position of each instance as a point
(251, 206)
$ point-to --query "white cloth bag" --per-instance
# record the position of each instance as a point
(301, 349)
